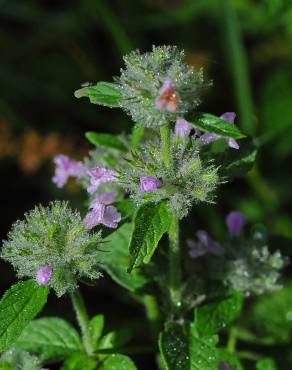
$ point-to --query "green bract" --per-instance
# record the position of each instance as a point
(142, 79)
(186, 181)
(53, 236)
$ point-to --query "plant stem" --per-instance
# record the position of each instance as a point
(238, 63)
(174, 264)
(83, 320)
(164, 132)
(152, 312)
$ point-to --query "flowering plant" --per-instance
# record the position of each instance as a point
(140, 189)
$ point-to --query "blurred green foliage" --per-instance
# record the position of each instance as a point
(50, 47)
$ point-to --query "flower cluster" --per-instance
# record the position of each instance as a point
(186, 181)
(15, 358)
(53, 246)
(158, 87)
(245, 264)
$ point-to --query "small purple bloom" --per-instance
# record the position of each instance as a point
(235, 222)
(101, 212)
(208, 138)
(149, 184)
(168, 98)
(66, 167)
(44, 275)
(99, 176)
(182, 128)
(205, 244)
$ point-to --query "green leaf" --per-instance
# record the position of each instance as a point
(79, 361)
(203, 351)
(117, 362)
(103, 93)
(107, 140)
(137, 134)
(115, 339)
(151, 222)
(236, 163)
(209, 123)
(174, 348)
(183, 349)
(116, 257)
(19, 305)
(5, 366)
(95, 329)
(127, 208)
(266, 364)
(212, 317)
(51, 337)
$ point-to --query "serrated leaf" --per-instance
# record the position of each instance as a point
(102, 93)
(210, 123)
(115, 259)
(266, 364)
(151, 222)
(117, 362)
(19, 305)
(211, 318)
(79, 361)
(95, 329)
(203, 351)
(51, 337)
(106, 140)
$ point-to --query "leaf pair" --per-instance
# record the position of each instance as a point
(194, 346)
(108, 94)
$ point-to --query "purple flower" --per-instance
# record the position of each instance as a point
(208, 138)
(235, 221)
(182, 128)
(168, 98)
(66, 167)
(205, 244)
(102, 213)
(99, 176)
(44, 275)
(149, 184)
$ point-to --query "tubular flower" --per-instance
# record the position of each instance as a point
(149, 184)
(102, 213)
(205, 244)
(158, 87)
(235, 222)
(182, 128)
(66, 167)
(98, 177)
(53, 246)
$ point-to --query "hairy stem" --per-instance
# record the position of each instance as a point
(164, 132)
(152, 312)
(83, 320)
(174, 264)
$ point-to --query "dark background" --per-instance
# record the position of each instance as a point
(48, 48)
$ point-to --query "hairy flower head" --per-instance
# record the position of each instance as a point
(188, 180)
(158, 87)
(52, 245)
